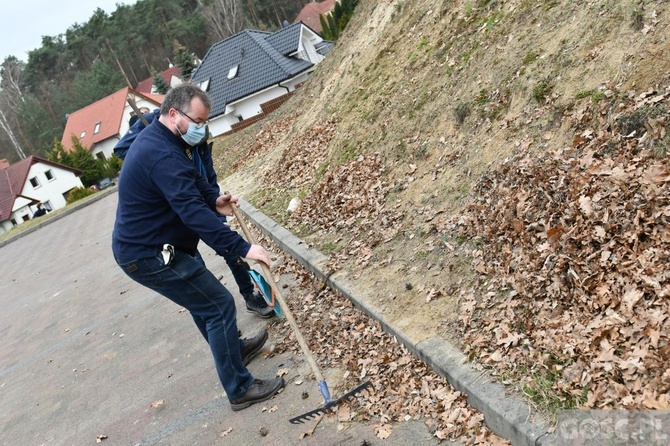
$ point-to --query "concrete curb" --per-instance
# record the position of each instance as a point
(506, 415)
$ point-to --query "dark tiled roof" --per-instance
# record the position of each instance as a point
(286, 40)
(260, 65)
(324, 47)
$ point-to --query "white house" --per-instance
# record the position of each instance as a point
(99, 126)
(251, 73)
(31, 181)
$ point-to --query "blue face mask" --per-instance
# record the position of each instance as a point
(194, 134)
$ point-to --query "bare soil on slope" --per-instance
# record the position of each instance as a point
(487, 171)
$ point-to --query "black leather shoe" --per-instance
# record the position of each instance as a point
(260, 390)
(256, 304)
(251, 347)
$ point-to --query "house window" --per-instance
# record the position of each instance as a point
(35, 182)
(83, 134)
(100, 156)
(96, 129)
(13, 222)
(25, 218)
(232, 73)
(50, 175)
(239, 118)
(47, 205)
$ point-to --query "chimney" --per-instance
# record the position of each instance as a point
(4, 164)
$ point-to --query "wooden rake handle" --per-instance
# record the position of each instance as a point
(282, 303)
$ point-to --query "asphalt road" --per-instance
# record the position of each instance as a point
(89, 357)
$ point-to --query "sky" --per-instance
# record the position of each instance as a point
(24, 22)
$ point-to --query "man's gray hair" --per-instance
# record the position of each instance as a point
(180, 97)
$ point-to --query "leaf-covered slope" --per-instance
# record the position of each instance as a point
(494, 172)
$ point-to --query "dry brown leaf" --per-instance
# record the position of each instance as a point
(226, 432)
(383, 431)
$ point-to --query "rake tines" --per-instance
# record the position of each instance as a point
(330, 403)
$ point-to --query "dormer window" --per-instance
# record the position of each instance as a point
(204, 85)
(83, 134)
(232, 73)
(96, 129)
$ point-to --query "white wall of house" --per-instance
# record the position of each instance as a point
(175, 80)
(106, 148)
(250, 106)
(299, 79)
(46, 183)
(53, 190)
(306, 49)
(21, 212)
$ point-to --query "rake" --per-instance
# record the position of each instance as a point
(263, 287)
(329, 402)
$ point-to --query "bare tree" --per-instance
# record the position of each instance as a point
(224, 17)
(4, 125)
(10, 99)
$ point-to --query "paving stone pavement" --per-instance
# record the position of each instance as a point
(86, 353)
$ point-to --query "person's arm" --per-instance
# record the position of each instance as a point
(223, 207)
(193, 200)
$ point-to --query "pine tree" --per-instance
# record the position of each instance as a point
(80, 158)
(333, 23)
(183, 59)
(161, 85)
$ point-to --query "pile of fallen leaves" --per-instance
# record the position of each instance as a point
(404, 388)
(351, 196)
(267, 136)
(575, 243)
(304, 155)
(352, 193)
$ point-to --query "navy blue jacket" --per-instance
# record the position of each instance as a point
(121, 147)
(162, 199)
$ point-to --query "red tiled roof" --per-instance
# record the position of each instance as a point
(13, 178)
(107, 111)
(309, 15)
(157, 98)
(145, 85)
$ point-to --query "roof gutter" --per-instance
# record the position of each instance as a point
(283, 86)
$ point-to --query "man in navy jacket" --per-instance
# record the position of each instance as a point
(164, 210)
(202, 160)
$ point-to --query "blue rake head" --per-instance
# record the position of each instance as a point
(266, 290)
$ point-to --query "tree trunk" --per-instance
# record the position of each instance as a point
(4, 124)
(253, 13)
(125, 76)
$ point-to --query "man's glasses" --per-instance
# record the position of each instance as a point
(198, 125)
